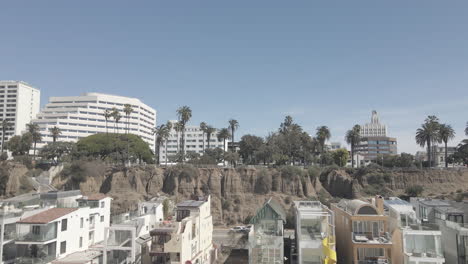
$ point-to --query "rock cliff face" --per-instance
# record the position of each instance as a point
(236, 193)
(14, 179)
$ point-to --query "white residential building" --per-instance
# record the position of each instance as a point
(82, 116)
(413, 241)
(188, 239)
(128, 239)
(195, 140)
(57, 232)
(374, 128)
(315, 233)
(19, 104)
(266, 241)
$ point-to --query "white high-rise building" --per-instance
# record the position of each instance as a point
(194, 138)
(19, 104)
(82, 116)
(374, 128)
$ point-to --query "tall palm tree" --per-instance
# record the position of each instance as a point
(117, 116)
(55, 132)
(166, 137)
(107, 115)
(203, 129)
(323, 134)
(158, 133)
(446, 133)
(178, 129)
(466, 129)
(209, 131)
(36, 135)
(233, 125)
(224, 134)
(5, 126)
(353, 137)
(128, 110)
(184, 113)
(428, 134)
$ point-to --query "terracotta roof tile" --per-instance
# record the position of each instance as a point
(47, 216)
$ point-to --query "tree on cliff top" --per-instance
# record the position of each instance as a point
(114, 147)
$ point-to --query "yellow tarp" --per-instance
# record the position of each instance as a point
(330, 253)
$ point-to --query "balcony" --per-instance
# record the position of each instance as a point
(31, 260)
(36, 233)
(375, 261)
(371, 238)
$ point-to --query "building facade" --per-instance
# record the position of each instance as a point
(362, 233)
(57, 232)
(413, 242)
(188, 239)
(374, 128)
(195, 141)
(128, 239)
(373, 147)
(266, 242)
(82, 116)
(19, 104)
(438, 154)
(315, 233)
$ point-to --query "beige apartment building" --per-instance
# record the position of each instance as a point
(362, 232)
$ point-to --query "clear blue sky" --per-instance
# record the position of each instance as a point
(323, 62)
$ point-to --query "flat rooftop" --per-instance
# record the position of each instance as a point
(79, 257)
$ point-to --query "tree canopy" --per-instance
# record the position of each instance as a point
(114, 147)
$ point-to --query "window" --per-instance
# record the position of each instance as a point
(64, 224)
(81, 222)
(102, 204)
(36, 230)
(63, 247)
(102, 218)
(81, 242)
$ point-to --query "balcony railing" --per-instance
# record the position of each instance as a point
(31, 260)
(375, 261)
(369, 237)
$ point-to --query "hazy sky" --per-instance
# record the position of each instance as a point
(323, 62)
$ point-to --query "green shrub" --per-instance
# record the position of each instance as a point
(414, 191)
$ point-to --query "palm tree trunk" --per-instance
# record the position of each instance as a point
(3, 139)
(429, 154)
(446, 162)
(203, 136)
(107, 131)
(352, 155)
(34, 151)
(165, 146)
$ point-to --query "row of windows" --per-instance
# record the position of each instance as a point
(8, 105)
(193, 146)
(9, 86)
(381, 142)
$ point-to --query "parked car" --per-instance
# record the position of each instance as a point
(238, 229)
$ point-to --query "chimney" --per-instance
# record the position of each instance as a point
(379, 203)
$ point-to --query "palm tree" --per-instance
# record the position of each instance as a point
(117, 116)
(5, 126)
(323, 134)
(428, 134)
(446, 133)
(107, 115)
(203, 129)
(55, 131)
(209, 131)
(353, 137)
(158, 132)
(224, 134)
(184, 113)
(128, 110)
(233, 125)
(466, 129)
(36, 135)
(178, 129)
(166, 137)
